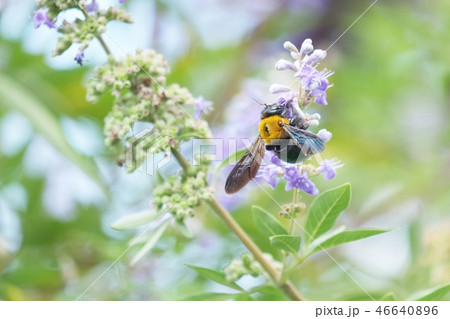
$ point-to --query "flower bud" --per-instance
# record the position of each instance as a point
(316, 56)
(278, 88)
(306, 47)
(284, 65)
(324, 135)
(289, 46)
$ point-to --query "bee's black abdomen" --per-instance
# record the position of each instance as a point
(291, 151)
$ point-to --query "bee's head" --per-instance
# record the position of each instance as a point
(272, 109)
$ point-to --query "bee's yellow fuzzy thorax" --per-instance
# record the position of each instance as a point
(270, 128)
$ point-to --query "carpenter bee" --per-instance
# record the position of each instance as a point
(283, 130)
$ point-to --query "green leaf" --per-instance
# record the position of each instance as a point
(268, 293)
(213, 296)
(159, 178)
(288, 243)
(17, 97)
(235, 156)
(390, 296)
(134, 220)
(325, 209)
(347, 236)
(215, 276)
(153, 239)
(244, 297)
(436, 294)
(266, 223)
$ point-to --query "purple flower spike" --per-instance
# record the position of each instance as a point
(328, 168)
(41, 17)
(313, 83)
(92, 7)
(122, 1)
(202, 106)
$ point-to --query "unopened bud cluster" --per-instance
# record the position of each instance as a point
(180, 195)
(136, 85)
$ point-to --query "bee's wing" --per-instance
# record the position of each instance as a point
(308, 142)
(247, 167)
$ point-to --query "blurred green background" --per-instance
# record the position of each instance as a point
(60, 189)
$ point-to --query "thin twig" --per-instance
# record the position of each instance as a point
(99, 37)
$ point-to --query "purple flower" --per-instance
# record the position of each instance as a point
(314, 82)
(328, 168)
(122, 1)
(320, 97)
(311, 79)
(291, 175)
(79, 57)
(301, 181)
(41, 17)
(92, 7)
(202, 106)
(286, 98)
(271, 172)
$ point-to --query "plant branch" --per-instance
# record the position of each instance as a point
(104, 45)
(287, 287)
(99, 37)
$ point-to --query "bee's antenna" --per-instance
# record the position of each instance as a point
(258, 102)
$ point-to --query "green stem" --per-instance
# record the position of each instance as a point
(286, 269)
(287, 287)
(104, 45)
(180, 158)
